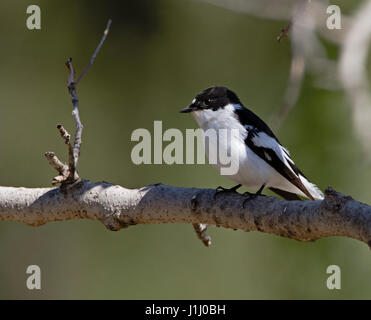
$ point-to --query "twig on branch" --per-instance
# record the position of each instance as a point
(117, 207)
(66, 136)
(72, 176)
(75, 102)
(58, 165)
(200, 229)
(64, 133)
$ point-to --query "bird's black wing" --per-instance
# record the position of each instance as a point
(271, 151)
(249, 118)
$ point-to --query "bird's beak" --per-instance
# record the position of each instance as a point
(191, 108)
(186, 110)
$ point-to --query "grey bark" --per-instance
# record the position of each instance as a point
(118, 207)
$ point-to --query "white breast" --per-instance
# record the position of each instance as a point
(253, 172)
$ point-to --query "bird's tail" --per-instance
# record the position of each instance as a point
(285, 194)
(311, 188)
(314, 191)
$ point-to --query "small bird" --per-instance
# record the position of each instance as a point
(263, 161)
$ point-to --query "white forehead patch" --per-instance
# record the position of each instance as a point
(194, 100)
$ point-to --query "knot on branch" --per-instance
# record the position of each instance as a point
(334, 201)
(115, 222)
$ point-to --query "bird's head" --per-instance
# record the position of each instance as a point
(212, 99)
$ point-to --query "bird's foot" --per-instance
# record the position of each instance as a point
(220, 189)
(251, 196)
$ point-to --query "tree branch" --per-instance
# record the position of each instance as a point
(117, 207)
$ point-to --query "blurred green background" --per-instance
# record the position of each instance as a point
(157, 57)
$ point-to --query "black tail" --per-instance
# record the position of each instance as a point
(285, 194)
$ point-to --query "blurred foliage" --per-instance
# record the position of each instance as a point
(158, 55)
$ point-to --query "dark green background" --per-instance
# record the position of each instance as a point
(158, 55)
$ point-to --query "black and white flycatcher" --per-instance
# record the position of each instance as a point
(263, 161)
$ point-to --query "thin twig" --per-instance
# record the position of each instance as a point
(75, 102)
(64, 133)
(66, 136)
(299, 10)
(285, 31)
(58, 165)
(105, 33)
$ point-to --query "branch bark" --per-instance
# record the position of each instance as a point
(118, 207)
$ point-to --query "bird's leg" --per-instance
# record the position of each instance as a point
(251, 196)
(220, 189)
(259, 192)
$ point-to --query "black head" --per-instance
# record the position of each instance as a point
(212, 98)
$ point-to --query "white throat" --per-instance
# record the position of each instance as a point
(223, 118)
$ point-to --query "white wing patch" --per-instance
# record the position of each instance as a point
(267, 156)
(265, 141)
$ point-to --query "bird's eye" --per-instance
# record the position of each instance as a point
(207, 102)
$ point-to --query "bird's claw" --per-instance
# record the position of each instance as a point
(250, 196)
(220, 189)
